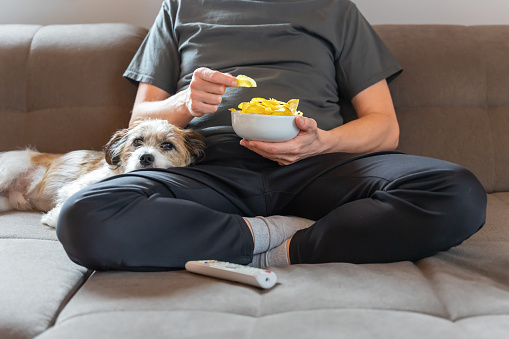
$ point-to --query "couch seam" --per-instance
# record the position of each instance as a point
(435, 292)
(68, 298)
(451, 106)
(280, 313)
(28, 66)
(77, 106)
(493, 196)
(487, 106)
(461, 319)
(16, 238)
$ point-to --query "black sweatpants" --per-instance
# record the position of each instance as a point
(375, 208)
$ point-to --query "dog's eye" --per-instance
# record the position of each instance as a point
(137, 142)
(167, 146)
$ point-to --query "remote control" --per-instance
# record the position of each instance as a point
(224, 270)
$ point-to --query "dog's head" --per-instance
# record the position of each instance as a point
(153, 143)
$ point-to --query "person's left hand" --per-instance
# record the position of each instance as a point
(309, 142)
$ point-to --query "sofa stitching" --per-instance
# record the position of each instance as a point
(432, 286)
(17, 238)
(69, 296)
(84, 314)
(250, 332)
(360, 309)
(28, 67)
(81, 107)
(461, 319)
(494, 196)
(487, 106)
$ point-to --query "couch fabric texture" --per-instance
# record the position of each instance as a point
(61, 89)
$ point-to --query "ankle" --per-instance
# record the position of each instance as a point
(288, 250)
(250, 228)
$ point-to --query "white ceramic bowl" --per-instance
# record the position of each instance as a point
(261, 127)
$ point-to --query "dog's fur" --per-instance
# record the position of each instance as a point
(30, 180)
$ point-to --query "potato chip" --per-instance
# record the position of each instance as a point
(269, 107)
(245, 81)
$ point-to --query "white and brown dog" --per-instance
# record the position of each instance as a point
(30, 180)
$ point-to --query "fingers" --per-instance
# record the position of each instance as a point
(206, 90)
(304, 145)
(215, 77)
(198, 104)
(292, 147)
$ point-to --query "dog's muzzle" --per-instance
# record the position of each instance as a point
(147, 159)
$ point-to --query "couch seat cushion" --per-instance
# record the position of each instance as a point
(24, 225)
(461, 293)
(37, 278)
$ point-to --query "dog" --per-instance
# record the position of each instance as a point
(30, 180)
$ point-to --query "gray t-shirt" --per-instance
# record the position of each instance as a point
(312, 50)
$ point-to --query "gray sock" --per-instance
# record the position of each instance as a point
(275, 257)
(270, 232)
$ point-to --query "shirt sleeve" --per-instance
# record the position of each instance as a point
(364, 59)
(157, 61)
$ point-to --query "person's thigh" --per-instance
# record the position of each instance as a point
(223, 189)
(159, 219)
(361, 177)
(385, 208)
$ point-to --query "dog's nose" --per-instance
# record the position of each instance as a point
(146, 159)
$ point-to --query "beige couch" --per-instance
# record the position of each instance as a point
(61, 88)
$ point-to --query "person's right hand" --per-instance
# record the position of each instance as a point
(205, 92)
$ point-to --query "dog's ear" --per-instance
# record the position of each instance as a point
(195, 143)
(113, 148)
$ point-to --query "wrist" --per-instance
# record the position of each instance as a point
(178, 104)
(328, 141)
(171, 109)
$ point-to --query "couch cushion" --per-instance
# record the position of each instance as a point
(95, 100)
(37, 278)
(444, 65)
(24, 225)
(339, 300)
(497, 220)
(424, 131)
(451, 295)
(14, 52)
(452, 99)
(323, 324)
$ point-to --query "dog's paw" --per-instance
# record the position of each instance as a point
(50, 219)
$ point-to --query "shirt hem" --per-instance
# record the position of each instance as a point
(388, 74)
(136, 78)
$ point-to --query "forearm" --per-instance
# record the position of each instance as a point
(172, 109)
(376, 128)
(203, 96)
(371, 133)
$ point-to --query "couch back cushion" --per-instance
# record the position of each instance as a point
(61, 87)
(452, 99)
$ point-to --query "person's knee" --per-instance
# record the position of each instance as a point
(90, 220)
(465, 212)
(75, 227)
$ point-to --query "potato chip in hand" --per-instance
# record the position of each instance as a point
(245, 81)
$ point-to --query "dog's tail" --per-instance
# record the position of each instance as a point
(13, 164)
